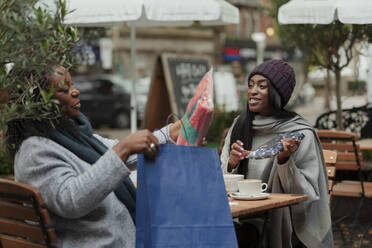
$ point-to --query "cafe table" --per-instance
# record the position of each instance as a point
(251, 208)
(244, 208)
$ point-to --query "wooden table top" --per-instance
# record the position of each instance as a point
(247, 208)
(365, 144)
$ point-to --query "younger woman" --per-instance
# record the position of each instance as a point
(298, 169)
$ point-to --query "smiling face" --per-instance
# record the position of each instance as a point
(65, 92)
(258, 95)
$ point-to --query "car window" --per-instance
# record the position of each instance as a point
(124, 84)
(95, 86)
(84, 86)
(118, 89)
(103, 86)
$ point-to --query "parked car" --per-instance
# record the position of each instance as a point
(105, 100)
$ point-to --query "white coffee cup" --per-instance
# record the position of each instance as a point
(251, 186)
(231, 181)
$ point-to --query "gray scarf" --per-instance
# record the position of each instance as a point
(90, 149)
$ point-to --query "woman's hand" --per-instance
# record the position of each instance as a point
(290, 146)
(175, 130)
(237, 153)
(138, 142)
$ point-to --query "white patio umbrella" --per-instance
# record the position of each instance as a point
(148, 13)
(325, 12)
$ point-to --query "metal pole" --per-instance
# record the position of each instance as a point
(133, 98)
(369, 75)
(260, 51)
(260, 39)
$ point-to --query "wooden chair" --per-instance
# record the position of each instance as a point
(349, 157)
(330, 158)
(24, 219)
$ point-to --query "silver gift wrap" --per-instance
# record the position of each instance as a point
(273, 147)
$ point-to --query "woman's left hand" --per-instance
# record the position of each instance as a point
(290, 146)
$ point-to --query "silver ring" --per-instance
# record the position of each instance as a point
(152, 147)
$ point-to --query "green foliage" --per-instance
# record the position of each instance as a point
(212, 144)
(32, 39)
(221, 121)
(6, 163)
(367, 155)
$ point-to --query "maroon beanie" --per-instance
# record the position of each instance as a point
(281, 76)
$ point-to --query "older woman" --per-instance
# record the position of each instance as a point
(298, 169)
(83, 178)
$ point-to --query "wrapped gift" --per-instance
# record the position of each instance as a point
(198, 114)
(273, 147)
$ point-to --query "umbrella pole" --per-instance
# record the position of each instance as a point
(133, 98)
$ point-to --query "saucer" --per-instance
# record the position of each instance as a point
(239, 196)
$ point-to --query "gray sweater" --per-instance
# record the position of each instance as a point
(303, 173)
(78, 195)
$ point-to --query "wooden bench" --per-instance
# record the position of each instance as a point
(330, 158)
(24, 219)
(349, 157)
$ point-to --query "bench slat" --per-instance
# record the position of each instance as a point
(352, 166)
(339, 134)
(11, 242)
(348, 156)
(25, 230)
(337, 146)
(21, 212)
(351, 190)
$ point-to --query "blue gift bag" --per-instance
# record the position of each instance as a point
(181, 200)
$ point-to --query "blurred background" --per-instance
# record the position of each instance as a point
(104, 63)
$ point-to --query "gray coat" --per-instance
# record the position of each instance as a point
(78, 195)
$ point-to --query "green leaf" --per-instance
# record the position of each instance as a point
(31, 90)
(45, 45)
(60, 29)
(40, 15)
(44, 94)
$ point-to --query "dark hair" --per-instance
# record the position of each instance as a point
(21, 129)
(243, 128)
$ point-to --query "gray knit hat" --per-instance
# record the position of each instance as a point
(281, 76)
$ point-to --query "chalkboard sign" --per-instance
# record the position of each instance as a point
(183, 74)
